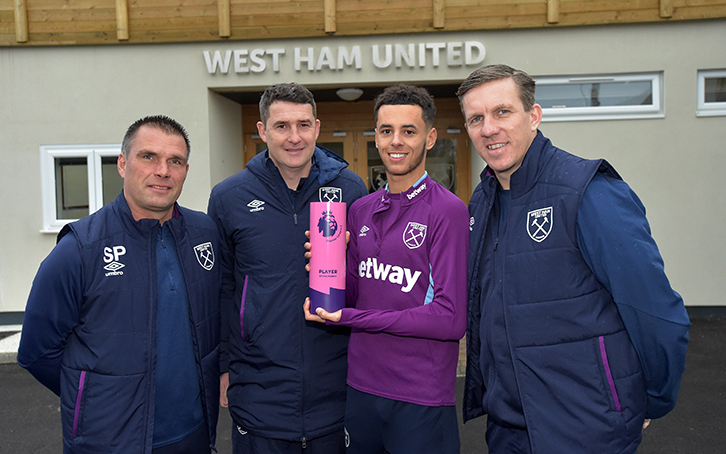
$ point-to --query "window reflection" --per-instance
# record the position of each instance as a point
(595, 94)
(715, 89)
(71, 176)
(110, 179)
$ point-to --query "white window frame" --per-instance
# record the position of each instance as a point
(93, 155)
(655, 110)
(708, 109)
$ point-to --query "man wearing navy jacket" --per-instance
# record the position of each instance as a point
(575, 339)
(123, 320)
(283, 378)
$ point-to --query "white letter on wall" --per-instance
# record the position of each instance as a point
(240, 61)
(469, 58)
(217, 62)
(276, 58)
(256, 58)
(409, 57)
(377, 60)
(453, 54)
(299, 58)
(325, 59)
(436, 49)
(346, 59)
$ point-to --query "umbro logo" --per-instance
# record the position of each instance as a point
(114, 266)
(256, 205)
(363, 230)
(112, 256)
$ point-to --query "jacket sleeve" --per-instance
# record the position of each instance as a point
(444, 317)
(615, 240)
(227, 255)
(52, 312)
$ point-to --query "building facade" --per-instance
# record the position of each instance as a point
(640, 90)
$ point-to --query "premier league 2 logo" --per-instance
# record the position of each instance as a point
(328, 226)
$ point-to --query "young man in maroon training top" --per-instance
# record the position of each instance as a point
(405, 292)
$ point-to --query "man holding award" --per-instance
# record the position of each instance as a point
(283, 378)
(405, 292)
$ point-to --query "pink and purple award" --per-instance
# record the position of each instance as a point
(327, 264)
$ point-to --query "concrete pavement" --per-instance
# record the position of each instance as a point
(30, 414)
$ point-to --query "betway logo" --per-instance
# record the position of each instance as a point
(371, 269)
(416, 192)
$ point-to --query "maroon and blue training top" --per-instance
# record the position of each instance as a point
(406, 292)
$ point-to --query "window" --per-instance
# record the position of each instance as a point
(77, 180)
(597, 97)
(711, 93)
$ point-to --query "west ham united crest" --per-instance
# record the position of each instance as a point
(330, 194)
(414, 235)
(539, 223)
(205, 255)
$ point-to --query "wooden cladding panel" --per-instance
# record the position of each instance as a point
(382, 6)
(700, 12)
(358, 115)
(357, 17)
(439, 13)
(21, 21)
(577, 6)
(224, 18)
(68, 22)
(122, 20)
(7, 22)
(274, 31)
(108, 26)
(71, 15)
(330, 16)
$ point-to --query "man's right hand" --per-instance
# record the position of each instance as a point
(309, 247)
(223, 385)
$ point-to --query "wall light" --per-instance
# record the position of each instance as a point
(349, 94)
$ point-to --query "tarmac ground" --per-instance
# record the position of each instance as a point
(30, 414)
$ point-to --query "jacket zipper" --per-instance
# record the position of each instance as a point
(77, 414)
(242, 310)
(608, 372)
(150, 389)
(195, 344)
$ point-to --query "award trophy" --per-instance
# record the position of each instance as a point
(327, 264)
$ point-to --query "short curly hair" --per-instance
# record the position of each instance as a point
(408, 95)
